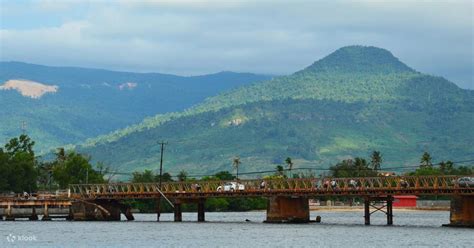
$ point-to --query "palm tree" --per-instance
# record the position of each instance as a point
(289, 163)
(61, 154)
(376, 160)
(236, 163)
(449, 166)
(442, 166)
(360, 165)
(279, 170)
(182, 176)
(425, 160)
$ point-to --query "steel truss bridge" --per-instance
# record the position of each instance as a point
(306, 187)
(287, 198)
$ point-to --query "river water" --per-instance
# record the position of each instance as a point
(337, 229)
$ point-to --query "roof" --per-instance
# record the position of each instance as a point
(405, 196)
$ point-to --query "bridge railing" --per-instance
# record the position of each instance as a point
(326, 184)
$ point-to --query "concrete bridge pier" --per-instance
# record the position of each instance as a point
(283, 209)
(33, 215)
(106, 210)
(462, 211)
(201, 209)
(387, 204)
(9, 216)
(178, 213)
(46, 213)
(158, 208)
(127, 211)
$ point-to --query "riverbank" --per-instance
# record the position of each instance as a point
(361, 208)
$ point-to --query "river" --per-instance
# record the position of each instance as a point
(337, 229)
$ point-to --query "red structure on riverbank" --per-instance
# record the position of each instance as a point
(404, 201)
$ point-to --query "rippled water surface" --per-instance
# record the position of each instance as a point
(338, 229)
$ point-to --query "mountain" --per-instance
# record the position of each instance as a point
(351, 102)
(60, 105)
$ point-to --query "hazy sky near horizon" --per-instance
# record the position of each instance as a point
(271, 37)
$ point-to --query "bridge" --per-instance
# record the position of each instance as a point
(287, 198)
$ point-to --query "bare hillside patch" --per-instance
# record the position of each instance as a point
(28, 88)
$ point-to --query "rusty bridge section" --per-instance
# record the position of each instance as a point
(44, 203)
(287, 198)
(311, 187)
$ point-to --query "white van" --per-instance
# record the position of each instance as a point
(231, 186)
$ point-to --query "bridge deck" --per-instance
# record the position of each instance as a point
(36, 201)
(310, 187)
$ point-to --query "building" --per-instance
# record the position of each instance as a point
(405, 201)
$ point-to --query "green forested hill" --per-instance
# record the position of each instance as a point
(90, 102)
(355, 100)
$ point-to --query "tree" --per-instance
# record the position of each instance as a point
(236, 163)
(224, 175)
(442, 167)
(445, 168)
(289, 163)
(182, 176)
(45, 175)
(352, 168)
(376, 160)
(449, 166)
(60, 155)
(360, 166)
(5, 171)
(21, 144)
(74, 168)
(426, 160)
(279, 170)
(166, 177)
(18, 165)
(143, 177)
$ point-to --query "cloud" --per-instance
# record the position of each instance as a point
(273, 37)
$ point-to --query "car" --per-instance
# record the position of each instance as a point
(231, 186)
(466, 181)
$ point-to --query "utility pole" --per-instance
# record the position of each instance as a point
(50, 172)
(162, 144)
(158, 208)
(87, 176)
(23, 127)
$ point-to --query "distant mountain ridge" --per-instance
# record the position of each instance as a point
(90, 102)
(354, 100)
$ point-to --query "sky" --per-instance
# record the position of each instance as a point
(268, 37)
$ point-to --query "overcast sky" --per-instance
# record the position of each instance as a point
(271, 37)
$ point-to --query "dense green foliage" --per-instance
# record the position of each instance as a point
(346, 105)
(73, 168)
(91, 102)
(148, 176)
(443, 168)
(353, 168)
(21, 171)
(18, 166)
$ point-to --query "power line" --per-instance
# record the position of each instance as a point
(320, 168)
(162, 144)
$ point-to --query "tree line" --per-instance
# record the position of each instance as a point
(22, 171)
